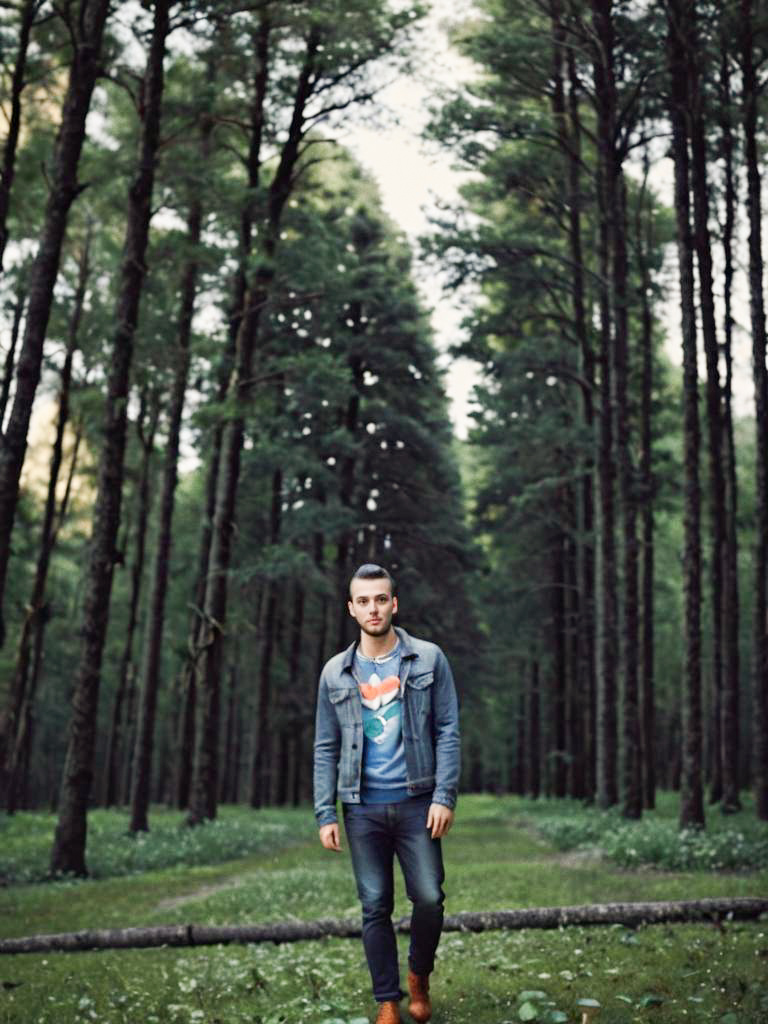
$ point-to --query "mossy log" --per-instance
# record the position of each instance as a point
(631, 915)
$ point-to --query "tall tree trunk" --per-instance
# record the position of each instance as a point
(11, 721)
(300, 695)
(262, 761)
(68, 854)
(347, 490)
(703, 247)
(231, 765)
(10, 356)
(568, 123)
(691, 796)
(586, 572)
(534, 732)
(29, 10)
(204, 781)
(760, 377)
(322, 630)
(153, 639)
(124, 701)
(644, 241)
(606, 591)
(729, 728)
(576, 716)
(185, 745)
(612, 204)
(558, 742)
(86, 27)
(519, 753)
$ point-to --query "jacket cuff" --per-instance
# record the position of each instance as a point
(326, 816)
(442, 796)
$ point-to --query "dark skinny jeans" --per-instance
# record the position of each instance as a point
(376, 833)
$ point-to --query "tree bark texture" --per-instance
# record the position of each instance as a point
(646, 482)
(261, 768)
(534, 733)
(703, 247)
(612, 205)
(153, 640)
(691, 797)
(586, 549)
(558, 670)
(298, 720)
(632, 915)
(87, 26)
(68, 854)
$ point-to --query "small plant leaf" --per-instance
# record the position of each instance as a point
(554, 1017)
(528, 1011)
(650, 999)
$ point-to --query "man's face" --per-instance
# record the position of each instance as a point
(372, 605)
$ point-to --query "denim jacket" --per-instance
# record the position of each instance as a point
(430, 728)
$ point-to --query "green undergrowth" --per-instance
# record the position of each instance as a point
(656, 975)
(495, 858)
(26, 839)
(734, 842)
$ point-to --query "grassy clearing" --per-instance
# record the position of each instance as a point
(494, 858)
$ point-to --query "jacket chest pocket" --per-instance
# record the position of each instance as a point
(346, 704)
(419, 690)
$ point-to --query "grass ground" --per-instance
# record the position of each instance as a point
(494, 858)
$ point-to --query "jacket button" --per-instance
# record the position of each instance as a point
(354, 746)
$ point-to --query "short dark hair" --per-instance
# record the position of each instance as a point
(370, 571)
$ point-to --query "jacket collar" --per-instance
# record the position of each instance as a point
(403, 637)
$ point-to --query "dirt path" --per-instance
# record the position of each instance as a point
(200, 894)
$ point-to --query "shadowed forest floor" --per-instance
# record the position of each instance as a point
(494, 859)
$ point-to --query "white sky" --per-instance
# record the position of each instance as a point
(412, 174)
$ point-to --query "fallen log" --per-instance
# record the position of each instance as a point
(631, 915)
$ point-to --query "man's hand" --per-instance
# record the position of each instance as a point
(329, 837)
(439, 820)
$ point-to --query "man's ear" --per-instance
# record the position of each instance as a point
(394, 606)
(349, 607)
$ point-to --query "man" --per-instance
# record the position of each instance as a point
(387, 744)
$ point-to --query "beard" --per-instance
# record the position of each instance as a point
(381, 629)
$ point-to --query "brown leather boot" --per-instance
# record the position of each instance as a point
(389, 1013)
(419, 1007)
